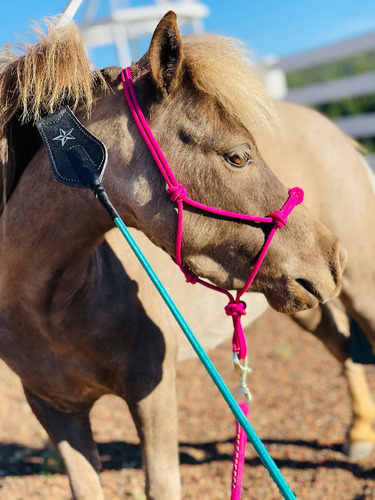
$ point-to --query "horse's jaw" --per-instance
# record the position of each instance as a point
(289, 284)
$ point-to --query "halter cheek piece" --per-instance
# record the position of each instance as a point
(178, 194)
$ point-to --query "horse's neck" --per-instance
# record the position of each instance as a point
(49, 233)
(48, 237)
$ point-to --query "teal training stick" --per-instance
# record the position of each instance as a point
(252, 436)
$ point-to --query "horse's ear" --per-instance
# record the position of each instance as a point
(166, 53)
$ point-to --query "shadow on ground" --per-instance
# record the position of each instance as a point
(16, 460)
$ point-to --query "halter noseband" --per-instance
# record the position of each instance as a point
(178, 194)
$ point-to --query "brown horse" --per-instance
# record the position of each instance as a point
(74, 323)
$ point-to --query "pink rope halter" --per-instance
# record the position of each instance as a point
(178, 194)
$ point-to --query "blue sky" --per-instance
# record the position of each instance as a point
(281, 27)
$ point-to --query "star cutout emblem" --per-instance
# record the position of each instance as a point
(64, 136)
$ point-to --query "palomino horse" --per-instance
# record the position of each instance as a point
(74, 324)
(325, 165)
(341, 193)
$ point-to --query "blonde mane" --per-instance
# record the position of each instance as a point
(37, 78)
(219, 68)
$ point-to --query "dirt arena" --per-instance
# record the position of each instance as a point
(300, 410)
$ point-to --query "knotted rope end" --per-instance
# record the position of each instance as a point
(299, 194)
(190, 276)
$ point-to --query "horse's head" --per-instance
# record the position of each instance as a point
(201, 101)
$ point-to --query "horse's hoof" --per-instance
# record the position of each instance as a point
(358, 449)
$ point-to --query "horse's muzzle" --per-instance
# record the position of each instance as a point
(307, 291)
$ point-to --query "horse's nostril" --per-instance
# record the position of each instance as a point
(311, 288)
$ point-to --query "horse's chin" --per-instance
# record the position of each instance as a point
(298, 295)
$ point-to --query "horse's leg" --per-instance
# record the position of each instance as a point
(72, 436)
(361, 435)
(155, 417)
(329, 324)
(358, 284)
(358, 296)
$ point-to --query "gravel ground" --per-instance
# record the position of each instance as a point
(300, 410)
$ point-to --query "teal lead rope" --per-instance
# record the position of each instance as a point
(252, 436)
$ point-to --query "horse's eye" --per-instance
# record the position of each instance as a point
(239, 158)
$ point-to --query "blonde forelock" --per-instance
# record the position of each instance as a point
(220, 69)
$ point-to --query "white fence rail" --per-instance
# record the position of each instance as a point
(329, 53)
(333, 90)
(358, 126)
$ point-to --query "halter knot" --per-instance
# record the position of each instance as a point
(235, 309)
(299, 192)
(177, 192)
(279, 219)
(190, 276)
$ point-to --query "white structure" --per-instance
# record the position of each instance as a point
(358, 126)
(126, 24)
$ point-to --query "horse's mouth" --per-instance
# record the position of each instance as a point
(291, 296)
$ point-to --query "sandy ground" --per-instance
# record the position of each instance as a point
(300, 410)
